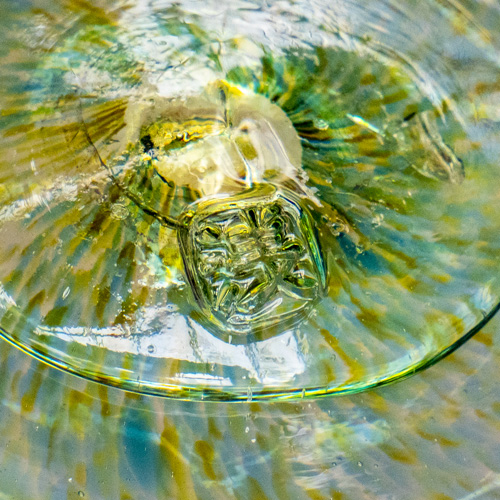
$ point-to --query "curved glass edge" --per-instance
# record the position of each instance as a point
(193, 393)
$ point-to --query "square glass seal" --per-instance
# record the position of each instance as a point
(253, 261)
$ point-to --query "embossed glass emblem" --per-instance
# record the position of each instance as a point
(253, 260)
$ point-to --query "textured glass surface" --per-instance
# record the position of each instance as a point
(244, 200)
(435, 436)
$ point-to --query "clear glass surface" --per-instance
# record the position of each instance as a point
(247, 200)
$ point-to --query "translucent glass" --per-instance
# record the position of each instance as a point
(239, 200)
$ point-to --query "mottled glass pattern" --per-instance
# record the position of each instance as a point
(434, 436)
(118, 116)
(402, 98)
